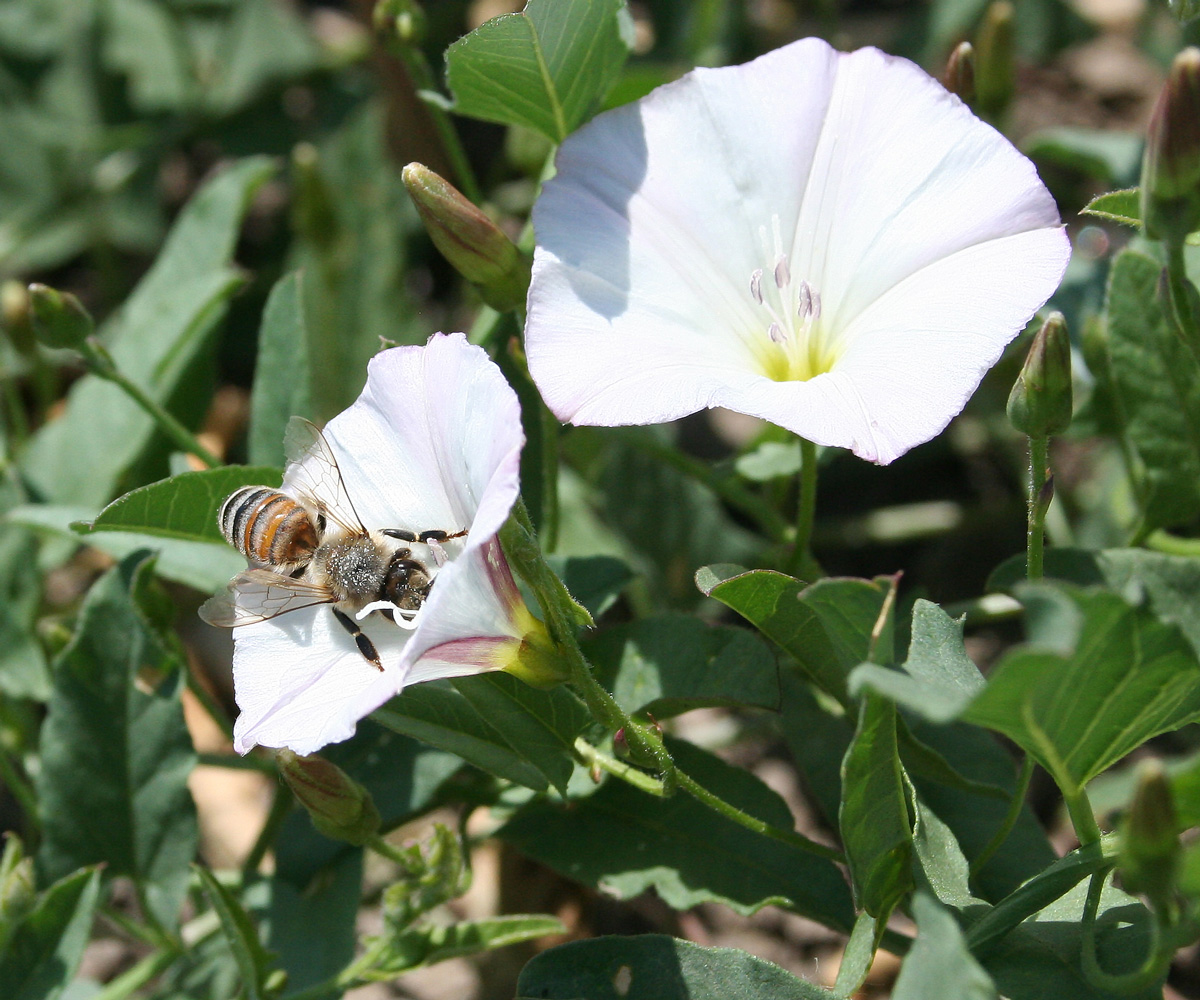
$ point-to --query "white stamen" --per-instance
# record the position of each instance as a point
(804, 300)
(756, 285)
(783, 274)
(776, 332)
(438, 553)
(816, 305)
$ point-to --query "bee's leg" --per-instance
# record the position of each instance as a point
(422, 536)
(365, 645)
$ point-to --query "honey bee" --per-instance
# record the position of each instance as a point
(310, 547)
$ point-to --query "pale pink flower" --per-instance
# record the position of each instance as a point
(433, 442)
(829, 241)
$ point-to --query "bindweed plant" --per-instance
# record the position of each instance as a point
(569, 442)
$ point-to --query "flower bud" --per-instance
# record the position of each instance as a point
(469, 240)
(994, 64)
(1150, 837)
(14, 308)
(18, 895)
(1171, 168)
(403, 20)
(1040, 403)
(339, 806)
(959, 77)
(59, 319)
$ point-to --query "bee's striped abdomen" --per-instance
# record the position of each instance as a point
(268, 527)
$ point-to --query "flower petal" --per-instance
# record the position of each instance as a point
(471, 620)
(302, 683)
(888, 196)
(434, 441)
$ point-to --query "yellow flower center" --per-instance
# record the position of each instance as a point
(793, 344)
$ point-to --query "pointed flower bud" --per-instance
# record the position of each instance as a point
(995, 64)
(59, 319)
(1040, 403)
(1171, 168)
(1150, 836)
(959, 77)
(468, 239)
(405, 19)
(17, 892)
(339, 806)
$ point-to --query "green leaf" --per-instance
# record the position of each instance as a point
(673, 663)
(818, 734)
(594, 581)
(1168, 585)
(114, 744)
(1113, 157)
(419, 946)
(1097, 679)
(253, 961)
(939, 964)
(162, 331)
(495, 722)
(546, 68)
(1123, 206)
(826, 626)
(143, 40)
(312, 908)
(625, 841)
(1185, 10)
(938, 679)
(204, 565)
(185, 506)
(770, 460)
(24, 672)
(281, 372)
(265, 42)
(874, 820)
(1152, 374)
(656, 967)
(41, 956)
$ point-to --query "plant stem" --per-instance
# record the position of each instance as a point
(1083, 819)
(1036, 505)
(1010, 818)
(21, 789)
(1154, 966)
(133, 979)
(1181, 295)
(801, 561)
(421, 74)
(100, 363)
(789, 837)
(594, 757)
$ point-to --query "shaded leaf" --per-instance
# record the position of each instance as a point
(207, 566)
(281, 372)
(594, 581)
(40, 957)
(164, 326)
(253, 961)
(874, 820)
(1152, 374)
(545, 68)
(624, 841)
(114, 744)
(656, 967)
(497, 723)
(939, 963)
(673, 663)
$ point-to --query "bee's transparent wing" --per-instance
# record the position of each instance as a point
(313, 475)
(259, 594)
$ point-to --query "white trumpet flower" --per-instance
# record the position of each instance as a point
(832, 242)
